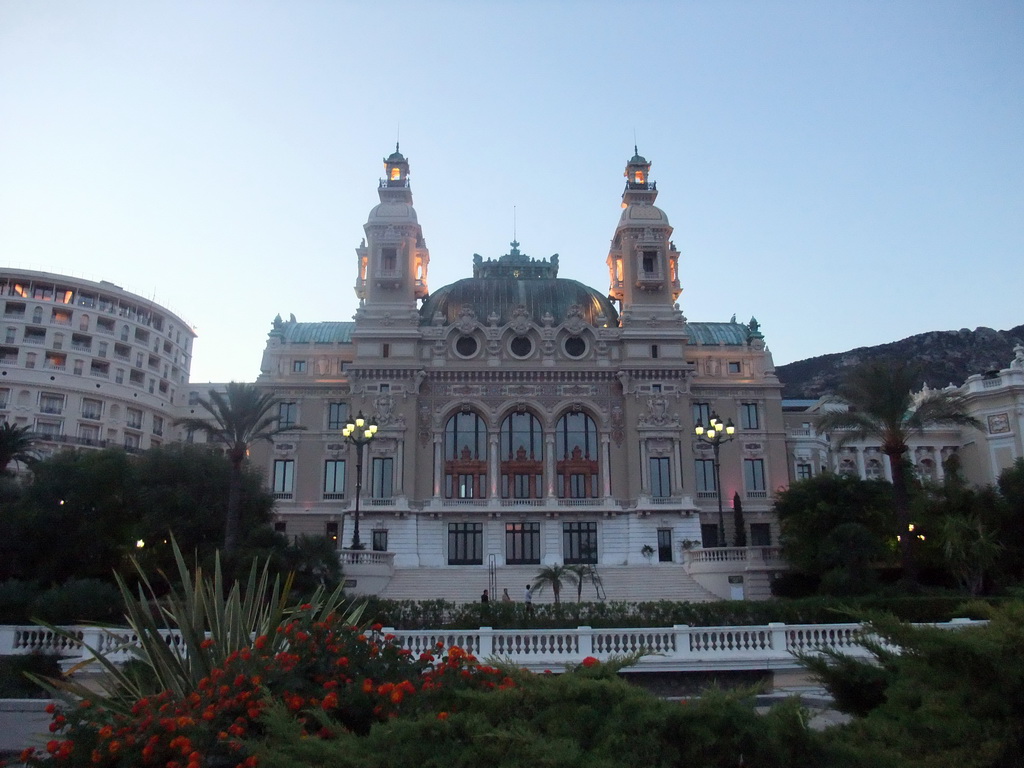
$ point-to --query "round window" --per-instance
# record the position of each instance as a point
(466, 346)
(521, 346)
(575, 346)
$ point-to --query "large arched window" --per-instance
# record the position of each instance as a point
(576, 451)
(465, 457)
(522, 457)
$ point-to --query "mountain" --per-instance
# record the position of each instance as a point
(944, 356)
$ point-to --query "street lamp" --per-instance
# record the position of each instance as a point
(716, 434)
(359, 433)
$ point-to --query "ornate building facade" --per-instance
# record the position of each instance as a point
(524, 418)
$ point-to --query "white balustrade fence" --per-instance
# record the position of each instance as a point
(678, 648)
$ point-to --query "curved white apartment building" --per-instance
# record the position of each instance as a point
(89, 364)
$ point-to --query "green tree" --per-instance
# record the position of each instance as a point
(183, 490)
(582, 574)
(112, 500)
(739, 523)
(241, 415)
(16, 444)
(75, 519)
(881, 405)
(945, 698)
(554, 576)
(838, 525)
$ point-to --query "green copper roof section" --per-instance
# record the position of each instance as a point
(501, 296)
(314, 333)
(729, 334)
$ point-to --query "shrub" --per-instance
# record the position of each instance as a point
(15, 598)
(13, 670)
(79, 600)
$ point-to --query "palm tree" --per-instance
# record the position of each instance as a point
(882, 405)
(16, 444)
(584, 572)
(241, 415)
(553, 576)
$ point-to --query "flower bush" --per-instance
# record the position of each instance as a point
(332, 678)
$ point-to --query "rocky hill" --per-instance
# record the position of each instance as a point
(944, 356)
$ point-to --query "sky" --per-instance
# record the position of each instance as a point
(849, 173)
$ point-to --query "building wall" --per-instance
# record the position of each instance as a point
(89, 364)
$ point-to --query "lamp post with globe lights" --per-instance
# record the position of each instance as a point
(359, 432)
(714, 435)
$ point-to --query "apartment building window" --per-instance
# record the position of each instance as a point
(49, 429)
(522, 543)
(579, 542)
(158, 425)
(804, 471)
(465, 543)
(748, 416)
(12, 335)
(298, 366)
(334, 479)
(383, 478)
(132, 441)
(709, 535)
(5, 395)
(735, 367)
(134, 418)
(379, 540)
(753, 475)
(702, 413)
(284, 478)
(706, 477)
(337, 415)
(287, 414)
(89, 433)
(49, 403)
(92, 409)
(661, 477)
(79, 367)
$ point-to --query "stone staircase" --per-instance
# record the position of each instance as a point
(634, 583)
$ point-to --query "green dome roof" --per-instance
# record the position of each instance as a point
(501, 295)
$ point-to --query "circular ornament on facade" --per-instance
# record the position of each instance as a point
(466, 346)
(575, 346)
(521, 346)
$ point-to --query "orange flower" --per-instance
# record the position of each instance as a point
(442, 715)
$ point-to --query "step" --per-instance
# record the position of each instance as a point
(464, 585)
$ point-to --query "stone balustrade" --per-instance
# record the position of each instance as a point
(678, 648)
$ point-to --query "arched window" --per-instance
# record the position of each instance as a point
(522, 457)
(576, 447)
(465, 457)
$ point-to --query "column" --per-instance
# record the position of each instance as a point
(438, 466)
(493, 464)
(606, 466)
(549, 465)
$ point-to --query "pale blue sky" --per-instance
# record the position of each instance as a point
(848, 172)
